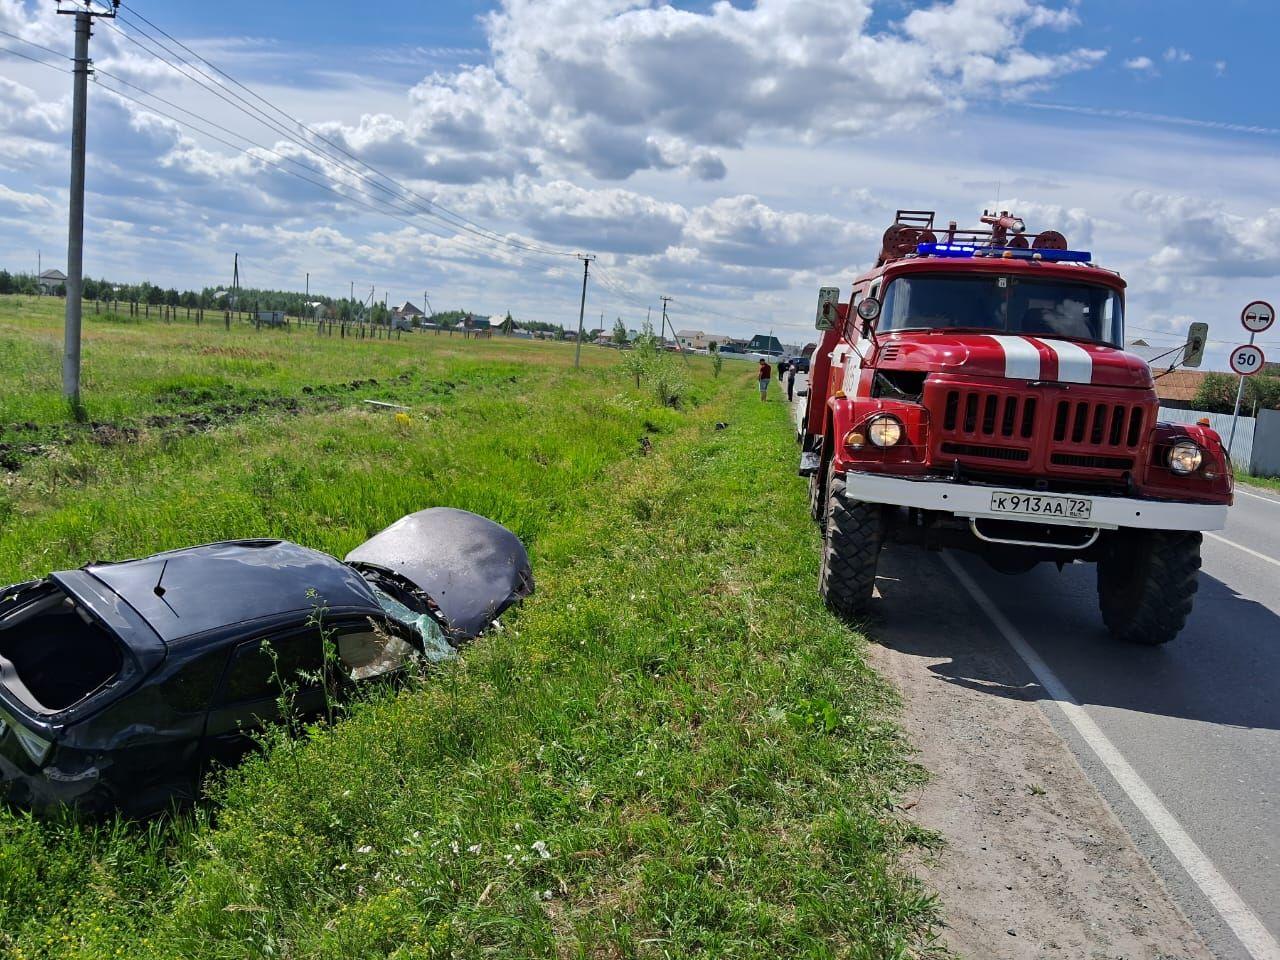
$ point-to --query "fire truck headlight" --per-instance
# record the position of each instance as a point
(884, 430)
(1185, 457)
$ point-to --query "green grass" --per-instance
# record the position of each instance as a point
(671, 750)
(1270, 483)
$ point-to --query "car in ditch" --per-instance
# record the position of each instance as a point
(123, 684)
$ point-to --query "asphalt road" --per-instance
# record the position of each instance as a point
(1197, 720)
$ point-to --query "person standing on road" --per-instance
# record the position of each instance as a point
(782, 368)
(764, 375)
(791, 382)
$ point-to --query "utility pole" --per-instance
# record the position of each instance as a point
(667, 323)
(75, 221)
(582, 308)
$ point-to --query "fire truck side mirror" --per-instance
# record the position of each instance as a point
(1197, 337)
(828, 308)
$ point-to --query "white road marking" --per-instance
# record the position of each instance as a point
(1075, 365)
(1257, 496)
(1248, 929)
(1021, 357)
(1243, 548)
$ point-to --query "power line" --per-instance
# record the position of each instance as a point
(455, 220)
(31, 43)
(43, 63)
(367, 201)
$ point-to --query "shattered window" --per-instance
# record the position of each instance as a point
(434, 645)
(372, 653)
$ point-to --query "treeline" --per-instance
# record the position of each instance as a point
(1217, 393)
(245, 299)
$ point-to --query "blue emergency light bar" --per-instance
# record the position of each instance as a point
(1002, 253)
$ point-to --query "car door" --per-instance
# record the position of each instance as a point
(263, 674)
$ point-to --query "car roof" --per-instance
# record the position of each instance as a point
(237, 582)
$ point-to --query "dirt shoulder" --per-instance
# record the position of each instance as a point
(1035, 865)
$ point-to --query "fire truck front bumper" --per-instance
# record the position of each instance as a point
(977, 501)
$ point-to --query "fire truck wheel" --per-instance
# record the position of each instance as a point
(852, 539)
(1146, 583)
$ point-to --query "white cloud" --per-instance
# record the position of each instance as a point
(1140, 64)
(1176, 55)
(25, 202)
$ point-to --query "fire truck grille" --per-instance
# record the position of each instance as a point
(1097, 424)
(1092, 462)
(990, 453)
(978, 414)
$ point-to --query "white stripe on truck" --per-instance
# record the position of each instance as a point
(1074, 363)
(1021, 357)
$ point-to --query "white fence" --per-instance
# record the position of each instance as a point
(1241, 450)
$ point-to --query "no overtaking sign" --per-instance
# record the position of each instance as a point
(1258, 316)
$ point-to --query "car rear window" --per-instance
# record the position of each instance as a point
(57, 653)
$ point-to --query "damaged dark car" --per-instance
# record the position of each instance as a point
(122, 684)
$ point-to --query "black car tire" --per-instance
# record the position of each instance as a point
(852, 538)
(1147, 583)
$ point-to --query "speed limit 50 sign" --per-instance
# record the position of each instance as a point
(1247, 359)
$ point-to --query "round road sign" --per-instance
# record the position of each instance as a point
(1258, 316)
(1247, 360)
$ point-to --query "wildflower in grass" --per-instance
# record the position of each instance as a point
(540, 848)
(453, 846)
(474, 848)
(364, 849)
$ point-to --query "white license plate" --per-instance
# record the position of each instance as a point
(1041, 505)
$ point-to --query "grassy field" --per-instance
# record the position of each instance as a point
(671, 750)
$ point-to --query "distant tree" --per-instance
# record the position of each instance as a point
(153, 295)
(6, 281)
(171, 297)
(619, 331)
(508, 324)
(189, 299)
(1216, 393)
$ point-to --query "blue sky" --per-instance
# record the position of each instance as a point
(735, 157)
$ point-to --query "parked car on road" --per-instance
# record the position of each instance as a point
(122, 683)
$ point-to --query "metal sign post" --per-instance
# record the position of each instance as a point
(1247, 359)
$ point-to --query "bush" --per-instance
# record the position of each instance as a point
(1217, 393)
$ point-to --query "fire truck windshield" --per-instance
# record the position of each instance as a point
(1004, 304)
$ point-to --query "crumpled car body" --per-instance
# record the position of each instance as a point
(122, 684)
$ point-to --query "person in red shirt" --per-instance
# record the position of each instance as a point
(764, 376)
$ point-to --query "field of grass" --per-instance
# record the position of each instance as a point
(671, 750)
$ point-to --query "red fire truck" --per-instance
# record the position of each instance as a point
(973, 393)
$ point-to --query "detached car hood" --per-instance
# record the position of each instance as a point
(1017, 358)
(471, 568)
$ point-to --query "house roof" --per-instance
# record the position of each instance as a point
(408, 309)
(53, 275)
(1181, 385)
(689, 334)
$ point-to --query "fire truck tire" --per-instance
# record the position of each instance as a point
(852, 538)
(1146, 584)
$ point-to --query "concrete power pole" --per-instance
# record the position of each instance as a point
(75, 222)
(582, 308)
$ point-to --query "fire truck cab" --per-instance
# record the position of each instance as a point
(973, 393)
